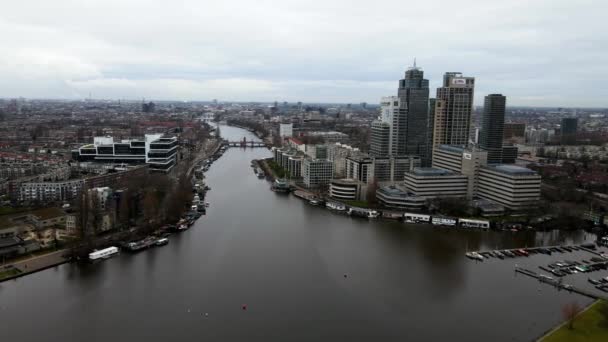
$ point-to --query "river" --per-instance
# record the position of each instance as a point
(304, 273)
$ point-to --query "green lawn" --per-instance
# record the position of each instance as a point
(8, 273)
(590, 326)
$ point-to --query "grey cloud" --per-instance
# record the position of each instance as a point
(326, 51)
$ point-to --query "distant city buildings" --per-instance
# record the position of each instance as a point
(286, 130)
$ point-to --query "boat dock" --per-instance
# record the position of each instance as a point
(304, 195)
(558, 284)
(525, 251)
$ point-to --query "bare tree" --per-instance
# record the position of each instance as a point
(371, 192)
(569, 312)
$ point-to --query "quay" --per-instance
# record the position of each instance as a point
(35, 264)
(542, 250)
(558, 284)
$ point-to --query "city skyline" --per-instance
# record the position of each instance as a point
(300, 51)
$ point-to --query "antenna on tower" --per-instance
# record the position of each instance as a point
(414, 62)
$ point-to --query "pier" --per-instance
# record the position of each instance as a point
(558, 284)
(544, 250)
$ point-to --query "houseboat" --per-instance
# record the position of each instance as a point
(335, 206)
(468, 223)
(416, 218)
(103, 254)
(361, 212)
(444, 221)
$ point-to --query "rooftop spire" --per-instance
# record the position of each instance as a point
(414, 62)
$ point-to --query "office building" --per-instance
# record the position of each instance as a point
(380, 139)
(317, 172)
(568, 130)
(398, 197)
(368, 169)
(337, 153)
(413, 93)
(360, 168)
(509, 154)
(156, 150)
(286, 130)
(492, 127)
(432, 182)
(392, 114)
(453, 110)
(461, 160)
(514, 133)
(345, 189)
(511, 186)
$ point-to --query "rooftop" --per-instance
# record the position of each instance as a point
(512, 169)
(452, 148)
(395, 191)
(432, 171)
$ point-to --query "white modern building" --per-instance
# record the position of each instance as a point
(157, 150)
(511, 186)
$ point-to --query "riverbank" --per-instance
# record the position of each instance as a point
(34, 264)
(589, 325)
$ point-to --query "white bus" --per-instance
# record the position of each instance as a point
(416, 218)
(103, 253)
(467, 223)
(443, 221)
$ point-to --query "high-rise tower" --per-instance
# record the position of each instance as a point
(453, 110)
(492, 127)
(413, 94)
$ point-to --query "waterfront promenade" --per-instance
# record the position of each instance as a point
(36, 263)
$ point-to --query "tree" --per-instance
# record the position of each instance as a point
(83, 213)
(569, 312)
(371, 192)
(151, 207)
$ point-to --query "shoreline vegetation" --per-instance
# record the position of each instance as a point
(589, 326)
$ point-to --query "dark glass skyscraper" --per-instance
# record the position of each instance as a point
(492, 127)
(568, 130)
(413, 92)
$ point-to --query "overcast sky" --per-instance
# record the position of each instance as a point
(536, 52)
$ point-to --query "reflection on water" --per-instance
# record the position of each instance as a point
(287, 261)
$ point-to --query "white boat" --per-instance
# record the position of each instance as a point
(416, 218)
(443, 221)
(161, 242)
(468, 223)
(474, 255)
(103, 253)
(362, 212)
(335, 206)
